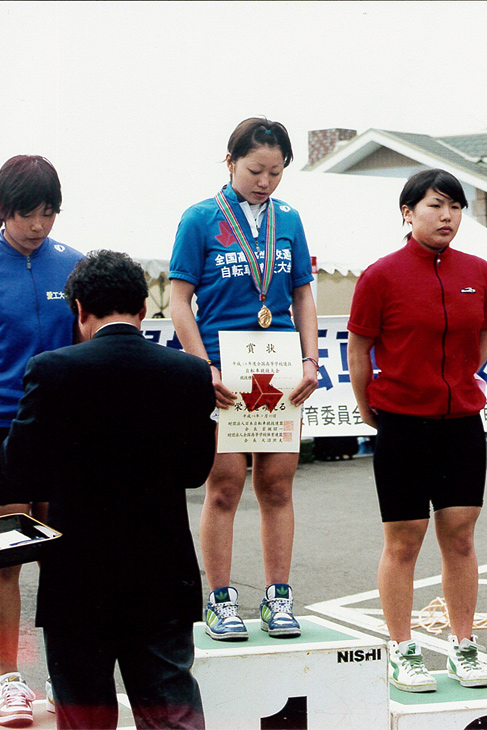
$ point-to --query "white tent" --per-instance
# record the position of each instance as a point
(352, 220)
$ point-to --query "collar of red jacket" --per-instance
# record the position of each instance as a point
(418, 250)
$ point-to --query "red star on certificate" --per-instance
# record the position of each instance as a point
(262, 393)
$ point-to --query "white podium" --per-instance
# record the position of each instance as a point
(335, 677)
(451, 707)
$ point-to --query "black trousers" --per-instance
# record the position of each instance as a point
(155, 667)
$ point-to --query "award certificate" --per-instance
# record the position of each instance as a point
(262, 368)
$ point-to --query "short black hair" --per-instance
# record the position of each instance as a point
(439, 180)
(107, 282)
(27, 181)
(255, 132)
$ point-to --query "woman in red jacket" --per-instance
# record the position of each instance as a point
(424, 311)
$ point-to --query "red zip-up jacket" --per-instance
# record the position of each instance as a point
(425, 311)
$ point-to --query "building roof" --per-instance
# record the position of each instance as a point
(449, 148)
(463, 156)
(473, 145)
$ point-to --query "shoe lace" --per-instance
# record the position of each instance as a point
(226, 609)
(17, 692)
(469, 657)
(413, 664)
(281, 605)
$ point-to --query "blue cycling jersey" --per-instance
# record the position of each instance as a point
(207, 255)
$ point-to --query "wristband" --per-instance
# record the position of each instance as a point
(311, 359)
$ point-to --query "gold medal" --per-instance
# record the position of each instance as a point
(264, 317)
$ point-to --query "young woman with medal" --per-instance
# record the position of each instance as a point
(245, 257)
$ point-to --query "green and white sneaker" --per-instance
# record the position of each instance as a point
(406, 668)
(463, 663)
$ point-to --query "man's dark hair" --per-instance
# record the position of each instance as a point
(107, 282)
(27, 181)
(440, 181)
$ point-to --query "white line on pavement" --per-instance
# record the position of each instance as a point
(338, 609)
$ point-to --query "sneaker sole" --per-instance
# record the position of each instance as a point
(279, 632)
(17, 720)
(413, 687)
(468, 682)
(229, 636)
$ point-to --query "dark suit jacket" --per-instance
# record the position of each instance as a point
(112, 432)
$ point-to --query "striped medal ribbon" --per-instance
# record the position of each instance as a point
(261, 280)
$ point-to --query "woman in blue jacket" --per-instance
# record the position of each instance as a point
(245, 277)
(33, 317)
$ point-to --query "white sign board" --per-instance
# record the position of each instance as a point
(332, 409)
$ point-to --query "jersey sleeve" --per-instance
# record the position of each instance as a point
(301, 270)
(188, 254)
(366, 310)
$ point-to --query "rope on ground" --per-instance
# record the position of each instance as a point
(434, 618)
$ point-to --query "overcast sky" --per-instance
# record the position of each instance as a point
(134, 101)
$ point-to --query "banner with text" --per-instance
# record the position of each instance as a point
(331, 410)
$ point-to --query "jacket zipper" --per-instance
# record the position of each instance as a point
(29, 268)
(445, 332)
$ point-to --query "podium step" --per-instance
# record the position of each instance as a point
(451, 707)
(332, 677)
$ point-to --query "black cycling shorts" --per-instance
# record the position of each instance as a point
(422, 460)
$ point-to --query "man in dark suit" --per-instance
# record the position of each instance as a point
(111, 432)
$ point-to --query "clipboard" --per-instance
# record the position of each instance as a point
(23, 539)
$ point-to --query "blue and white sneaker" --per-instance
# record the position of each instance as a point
(222, 621)
(276, 611)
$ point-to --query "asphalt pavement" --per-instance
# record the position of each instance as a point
(338, 541)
